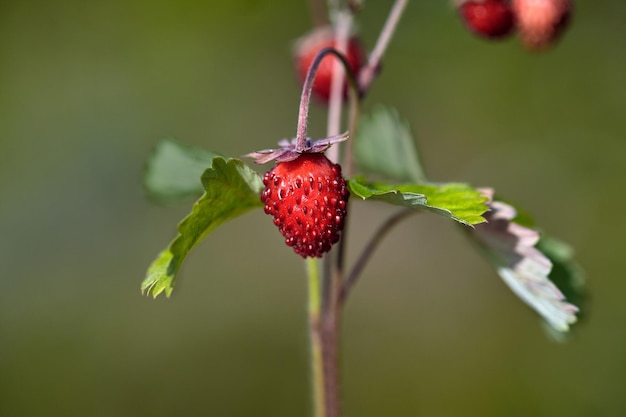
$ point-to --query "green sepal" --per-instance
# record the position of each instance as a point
(230, 189)
(458, 201)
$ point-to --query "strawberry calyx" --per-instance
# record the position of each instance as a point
(288, 150)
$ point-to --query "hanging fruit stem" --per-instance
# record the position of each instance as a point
(305, 98)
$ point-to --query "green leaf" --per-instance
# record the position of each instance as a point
(173, 171)
(387, 193)
(384, 146)
(230, 189)
(457, 201)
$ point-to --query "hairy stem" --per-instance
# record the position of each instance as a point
(333, 281)
(325, 320)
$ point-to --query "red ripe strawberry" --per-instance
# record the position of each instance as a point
(489, 18)
(309, 45)
(540, 22)
(307, 197)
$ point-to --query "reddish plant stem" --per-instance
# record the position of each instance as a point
(334, 290)
(307, 88)
(324, 331)
(330, 352)
(369, 72)
(333, 281)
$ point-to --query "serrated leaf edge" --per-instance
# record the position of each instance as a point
(149, 285)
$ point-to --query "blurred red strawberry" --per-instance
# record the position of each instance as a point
(490, 19)
(541, 22)
(310, 44)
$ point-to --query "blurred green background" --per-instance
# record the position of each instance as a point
(88, 88)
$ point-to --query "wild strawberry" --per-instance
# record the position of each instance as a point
(541, 22)
(309, 45)
(306, 195)
(488, 18)
(307, 198)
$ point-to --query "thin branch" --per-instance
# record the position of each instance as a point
(334, 280)
(369, 72)
(369, 249)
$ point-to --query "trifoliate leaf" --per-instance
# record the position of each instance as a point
(230, 189)
(457, 201)
(173, 171)
(385, 147)
(512, 249)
